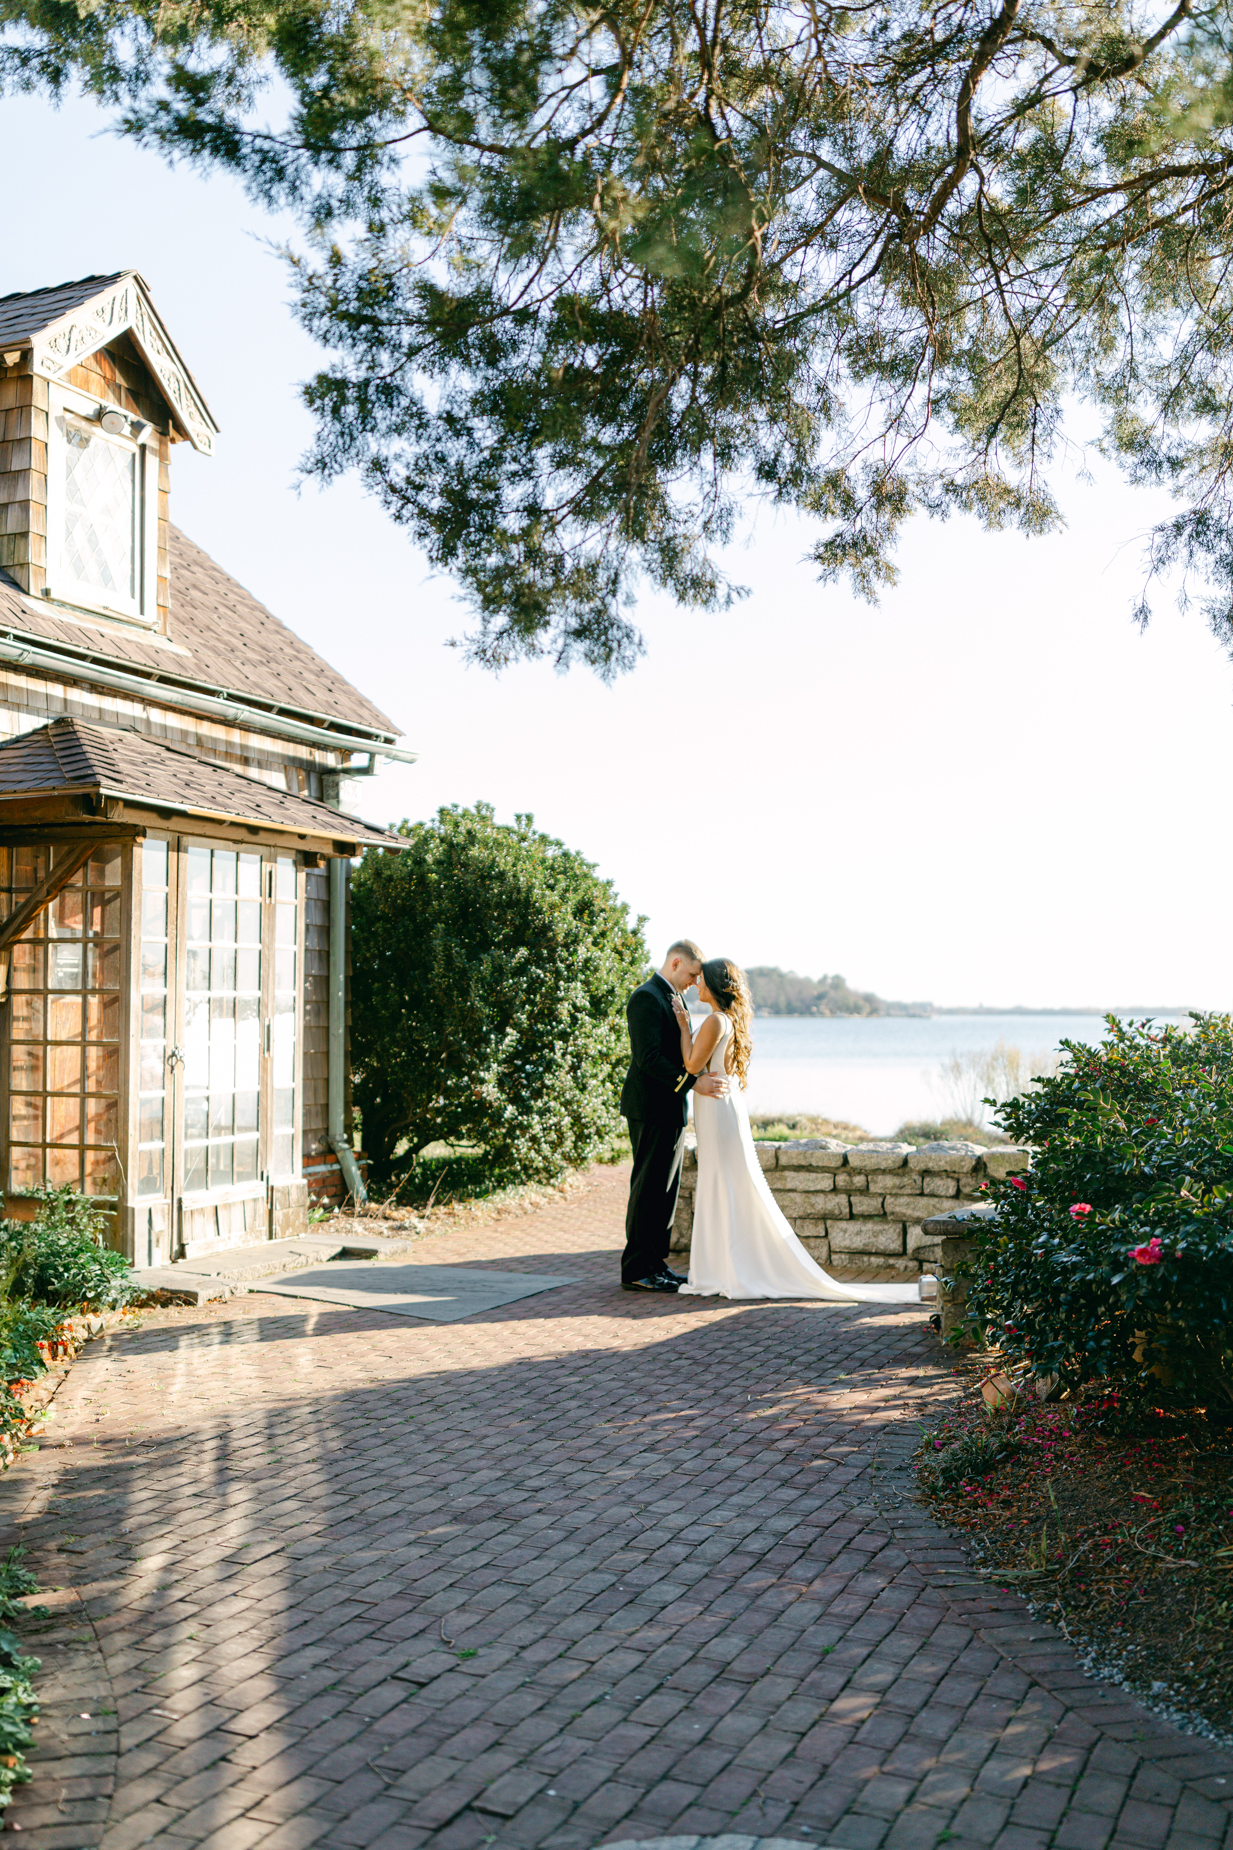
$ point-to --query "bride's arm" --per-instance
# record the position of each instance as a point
(696, 1049)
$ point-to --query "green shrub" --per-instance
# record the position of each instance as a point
(60, 1258)
(1124, 1226)
(490, 969)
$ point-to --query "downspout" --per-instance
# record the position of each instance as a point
(337, 1131)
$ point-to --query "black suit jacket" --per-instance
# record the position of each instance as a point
(657, 1083)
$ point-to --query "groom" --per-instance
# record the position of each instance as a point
(653, 1099)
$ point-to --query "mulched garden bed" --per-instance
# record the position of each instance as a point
(1113, 1518)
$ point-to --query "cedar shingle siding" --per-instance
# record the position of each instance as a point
(198, 718)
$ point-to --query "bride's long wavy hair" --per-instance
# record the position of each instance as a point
(726, 982)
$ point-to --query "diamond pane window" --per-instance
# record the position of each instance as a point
(100, 512)
(64, 1036)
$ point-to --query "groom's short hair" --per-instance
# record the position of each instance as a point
(685, 947)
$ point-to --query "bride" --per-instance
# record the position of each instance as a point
(742, 1246)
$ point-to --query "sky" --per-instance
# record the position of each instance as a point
(987, 789)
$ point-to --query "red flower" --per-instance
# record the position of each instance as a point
(1079, 1210)
(1019, 1183)
(1153, 1120)
(1149, 1254)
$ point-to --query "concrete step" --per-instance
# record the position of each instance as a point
(208, 1277)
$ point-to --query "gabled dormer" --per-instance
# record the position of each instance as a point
(92, 395)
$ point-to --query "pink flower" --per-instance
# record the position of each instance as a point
(1078, 1209)
(1019, 1183)
(1149, 1254)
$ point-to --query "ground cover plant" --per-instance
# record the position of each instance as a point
(1113, 1516)
(775, 1127)
(1112, 1257)
(18, 1702)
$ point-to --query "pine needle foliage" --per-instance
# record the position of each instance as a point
(591, 272)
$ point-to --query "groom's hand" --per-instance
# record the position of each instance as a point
(712, 1085)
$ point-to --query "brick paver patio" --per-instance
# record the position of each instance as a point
(586, 1569)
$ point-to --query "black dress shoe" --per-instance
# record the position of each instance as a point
(658, 1281)
(678, 1278)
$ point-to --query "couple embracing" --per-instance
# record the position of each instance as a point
(742, 1246)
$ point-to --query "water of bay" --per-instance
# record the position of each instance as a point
(884, 1070)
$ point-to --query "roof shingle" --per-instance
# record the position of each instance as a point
(25, 315)
(69, 757)
(226, 641)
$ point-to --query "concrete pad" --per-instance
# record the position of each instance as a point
(442, 1293)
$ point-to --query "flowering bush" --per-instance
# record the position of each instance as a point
(1114, 1255)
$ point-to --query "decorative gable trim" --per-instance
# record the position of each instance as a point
(125, 307)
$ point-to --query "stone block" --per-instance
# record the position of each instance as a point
(1007, 1160)
(920, 1244)
(689, 1161)
(940, 1185)
(689, 1181)
(951, 1158)
(812, 1153)
(904, 1207)
(869, 1207)
(836, 1210)
(902, 1181)
(812, 1236)
(796, 1204)
(848, 1183)
(768, 1154)
(805, 1181)
(863, 1236)
(867, 1156)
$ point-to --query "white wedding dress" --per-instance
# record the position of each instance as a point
(742, 1247)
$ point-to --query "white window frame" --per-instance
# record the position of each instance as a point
(65, 402)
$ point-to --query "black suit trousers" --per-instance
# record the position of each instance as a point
(653, 1189)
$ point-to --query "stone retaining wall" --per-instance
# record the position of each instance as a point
(859, 1208)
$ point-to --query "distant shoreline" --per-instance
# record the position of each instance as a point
(782, 993)
(1115, 1008)
(1138, 1011)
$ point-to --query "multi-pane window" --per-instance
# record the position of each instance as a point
(101, 508)
(64, 1039)
(222, 1019)
(282, 1036)
(152, 1027)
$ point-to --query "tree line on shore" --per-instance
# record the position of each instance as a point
(783, 992)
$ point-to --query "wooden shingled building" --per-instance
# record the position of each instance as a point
(174, 853)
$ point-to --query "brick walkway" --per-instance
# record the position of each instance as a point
(590, 1568)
